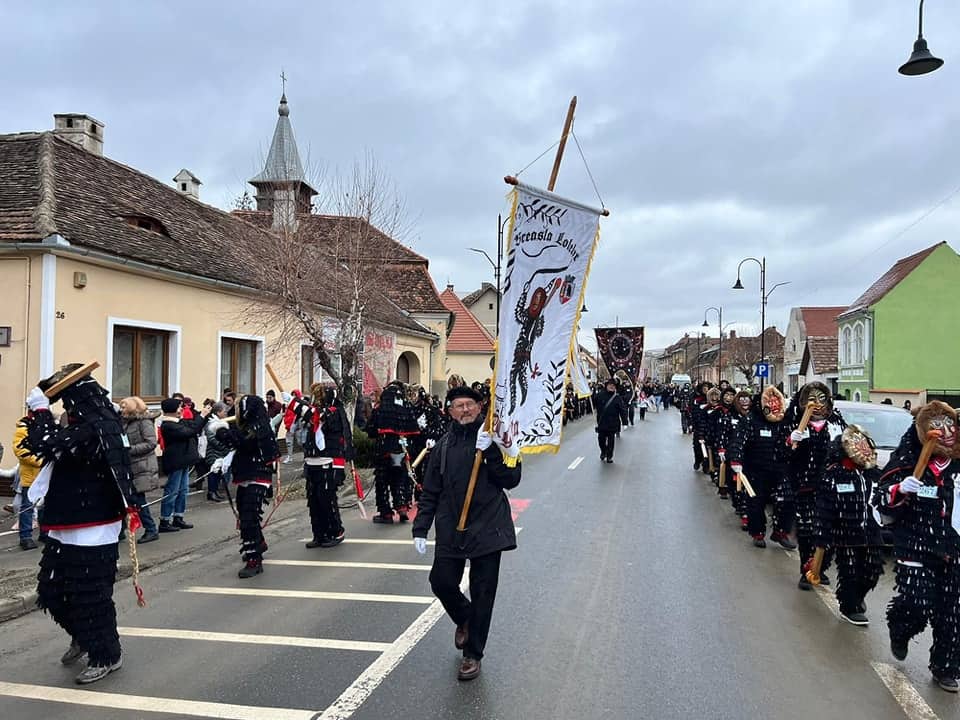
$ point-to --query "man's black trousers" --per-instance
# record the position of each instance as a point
(478, 610)
(606, 440)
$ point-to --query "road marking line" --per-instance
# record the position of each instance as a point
(575, 463)
(914, 706)
(373, 541)
(360, 689)
(829, 599)
(345, 564)
(143, 704)
(285, 640)
(310, 594)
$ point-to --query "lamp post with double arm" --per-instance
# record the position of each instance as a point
(764, 296)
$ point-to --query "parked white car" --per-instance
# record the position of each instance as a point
(886, 424)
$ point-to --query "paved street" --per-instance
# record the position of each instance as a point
(633, 595)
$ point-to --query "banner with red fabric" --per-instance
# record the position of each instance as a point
(621, 349)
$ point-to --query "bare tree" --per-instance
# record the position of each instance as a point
(322, 275)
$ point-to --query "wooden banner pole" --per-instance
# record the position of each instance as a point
(563, 143)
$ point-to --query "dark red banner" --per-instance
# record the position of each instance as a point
(621, 350)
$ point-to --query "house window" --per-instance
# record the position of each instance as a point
(307, 364)
(793, 345)
(858, 344)
(845, 349)
(489, 306)
(183, 187)
(238, 365)
(141, 362)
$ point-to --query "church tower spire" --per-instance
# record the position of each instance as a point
(281, 185)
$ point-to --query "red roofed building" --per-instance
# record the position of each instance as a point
(811, 333)
(898, 340)
(469, 345)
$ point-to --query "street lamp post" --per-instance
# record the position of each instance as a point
(921, 60)
(764, 296)
(501, 222)
(719, 312)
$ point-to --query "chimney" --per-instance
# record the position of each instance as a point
(187, 183)
(80, 129)
(733, 334)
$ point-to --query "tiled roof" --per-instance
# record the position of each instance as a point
(471, 298)
(468, 335)
(891, 278)
(820, 321)
(823, 351)
(49, 185)
(413, 289)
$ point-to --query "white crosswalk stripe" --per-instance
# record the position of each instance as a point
(348, 564)
(284, 640)
(256, 592)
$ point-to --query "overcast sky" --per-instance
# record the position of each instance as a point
(714, 129)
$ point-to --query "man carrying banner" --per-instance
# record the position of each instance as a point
(489, 529)
(610, 412)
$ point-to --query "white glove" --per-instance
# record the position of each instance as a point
(286, 397)
(421, 545)
(484, 440)
(227, 461)
(910, 485)
(422, 422)
(797, 436)
(723, 456)
(737, 468)
(217, 465)
(431, 444)
(36, 400)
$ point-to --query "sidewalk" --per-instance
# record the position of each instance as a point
(213, 523)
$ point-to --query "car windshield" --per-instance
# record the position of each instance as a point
(886, 428)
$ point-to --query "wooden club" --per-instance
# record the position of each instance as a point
(805, 420)
(929, 443)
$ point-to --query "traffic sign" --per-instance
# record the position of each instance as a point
(762, 370)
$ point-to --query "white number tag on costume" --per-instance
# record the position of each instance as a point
(126, 440)
(766, 433)
(397, 401)
(844, 487)
(955, 519)
(928, 491)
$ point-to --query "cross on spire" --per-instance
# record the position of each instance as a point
(283, 80)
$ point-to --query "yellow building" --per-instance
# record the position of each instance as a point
(469, 347)
(99, 261)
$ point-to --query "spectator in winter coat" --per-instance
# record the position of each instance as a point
(141, 432)
(29, 469)
(610, 410)
(180, 453)
(216, 451)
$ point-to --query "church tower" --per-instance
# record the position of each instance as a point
(281, 186)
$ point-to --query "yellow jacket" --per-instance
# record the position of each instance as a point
(29, 464)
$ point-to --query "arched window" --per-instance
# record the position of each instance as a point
(858, 344)
(845, 349)
(857, 396)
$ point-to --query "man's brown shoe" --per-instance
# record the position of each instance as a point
(460, 636)
(469, 669)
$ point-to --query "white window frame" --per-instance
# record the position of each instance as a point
(260, 360)
(174, 348)
(319, 375)
(846, 344)
(859, 353)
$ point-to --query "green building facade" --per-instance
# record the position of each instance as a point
(901, 338)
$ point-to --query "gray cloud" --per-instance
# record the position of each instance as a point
(715, 129)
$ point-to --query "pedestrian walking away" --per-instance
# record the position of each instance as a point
(488, 529)
(610, 411)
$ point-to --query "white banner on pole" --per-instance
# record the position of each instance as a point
(579, 379)
(551, 245)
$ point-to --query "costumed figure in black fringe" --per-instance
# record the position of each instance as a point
(432, 426)
(760, 452)
(926, 543)
(390, 425)
(698, 426)
(252, 467)
(846, 521)
(326, 451)
(806, 464)
(730, 426)
(87, 463)
(712, 416)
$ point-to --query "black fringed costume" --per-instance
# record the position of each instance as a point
(926, 543)
(807, 463)
(252, 469)
(391, 422)
(432, 426)
(89, 482)
(844, 520)
(325, 469)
